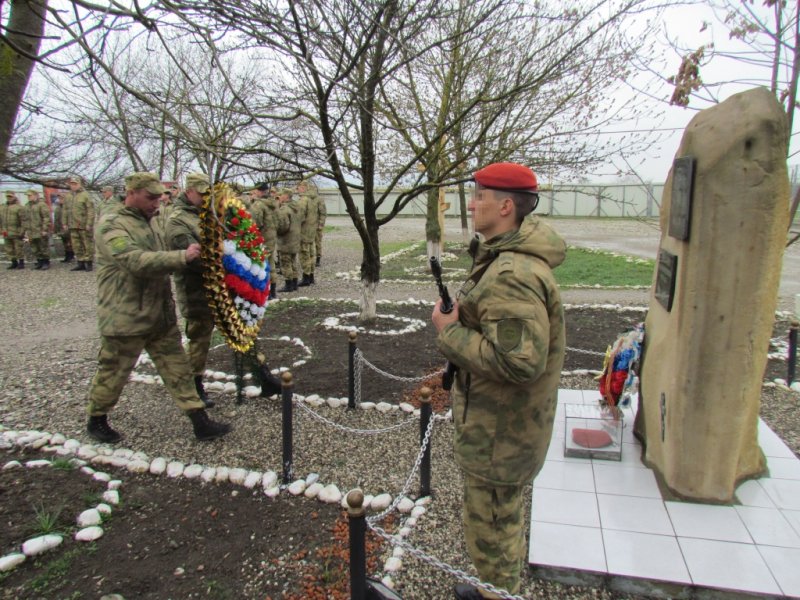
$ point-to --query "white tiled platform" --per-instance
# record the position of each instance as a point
(609, 518)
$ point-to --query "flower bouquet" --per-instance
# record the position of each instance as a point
(237, 271)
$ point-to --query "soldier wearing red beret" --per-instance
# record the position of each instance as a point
(506, 338)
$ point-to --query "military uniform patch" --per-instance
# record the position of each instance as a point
(118, 245)
(509, 334)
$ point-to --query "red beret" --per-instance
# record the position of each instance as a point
(507, 176)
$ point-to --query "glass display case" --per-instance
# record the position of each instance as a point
(593, 431)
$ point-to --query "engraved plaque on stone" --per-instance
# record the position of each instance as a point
(665, 279)
(680, 208)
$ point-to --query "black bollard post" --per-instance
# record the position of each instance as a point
(792, 358)
(351, 371)
(238, 362)
(287, 391)
(424, 419)
(357, 524)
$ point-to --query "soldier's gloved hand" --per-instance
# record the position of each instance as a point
(192, 252)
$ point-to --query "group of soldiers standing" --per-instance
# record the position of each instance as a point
(73, 220)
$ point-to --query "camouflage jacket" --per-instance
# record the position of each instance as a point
(58, 218)
(509, 347)
(14, 220)
(79, 211)
(322, 212)
(266, 217)
(310, 216)
(182, 229)
(134, 296)
(38, 220)
(111, 205)
(289, 224)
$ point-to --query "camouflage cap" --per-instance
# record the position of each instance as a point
(74, 179)
(144, 181)
(198, 181)
(108, 188)
(10, 194)
(32, 191)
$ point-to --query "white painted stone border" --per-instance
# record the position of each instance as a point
(138, 462)
(88, 521)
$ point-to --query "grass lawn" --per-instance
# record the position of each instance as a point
(582, 267)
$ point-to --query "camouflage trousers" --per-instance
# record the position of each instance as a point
(82, 244)
(288, 265)
(41, 248)
(494, 532)
(199, 333)
(318, 243)
(273, 268)
(307, 257)
(67, 241)
(14, 248)
(118, 356)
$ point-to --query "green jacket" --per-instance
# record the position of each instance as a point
(79, 211)
(182, 229)
(509, 347)
(289, 225)
(14, 220)
(309, 210)
(134, 296)
(322, 212)
(266, 217)
(38, 220)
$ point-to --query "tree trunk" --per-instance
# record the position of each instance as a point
(370, 272)
(24, 32)
(462, 203)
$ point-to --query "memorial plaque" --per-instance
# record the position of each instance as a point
(665, 278)
(680, 208)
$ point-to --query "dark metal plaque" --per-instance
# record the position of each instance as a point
(680, 207)
(665, 278)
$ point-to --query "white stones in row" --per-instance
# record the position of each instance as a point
(88, 521)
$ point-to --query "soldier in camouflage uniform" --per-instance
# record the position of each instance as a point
(322, 214)
(265, 212)
(506, 337)
(60, 230)
(108, 202)
(79, 220)
(289, 224)
(135, 311)
(181, 231)
(14, 225)
(39, 229)
(309, 209)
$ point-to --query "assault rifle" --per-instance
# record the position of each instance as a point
(446, 307)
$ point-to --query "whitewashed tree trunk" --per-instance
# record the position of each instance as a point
(367, 305)
(435, 249)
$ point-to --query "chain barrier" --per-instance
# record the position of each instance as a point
(582, 351)
(425, 441)
(346, 429)
(435, 562)
(360, 358)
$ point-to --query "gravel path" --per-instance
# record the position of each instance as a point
(47, 358)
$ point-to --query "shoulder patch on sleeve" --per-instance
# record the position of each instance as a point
(118, 245)
(509, 334)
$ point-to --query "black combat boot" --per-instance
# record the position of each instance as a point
(318, 259)
(14, 264)
(69, 256)
(39, 264)
(87, 266)
(273, 291)
(45, 264)
(204, 428)
(80, 267)
(100, 430)
(287, 287)
(201, 391)
(464, 591)
(21, 264)
(306, 281)
(294, 284)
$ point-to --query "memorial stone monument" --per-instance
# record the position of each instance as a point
(724, 217)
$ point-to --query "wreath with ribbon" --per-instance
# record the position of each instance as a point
(236, 277)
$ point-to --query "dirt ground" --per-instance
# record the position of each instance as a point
(166, 540)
